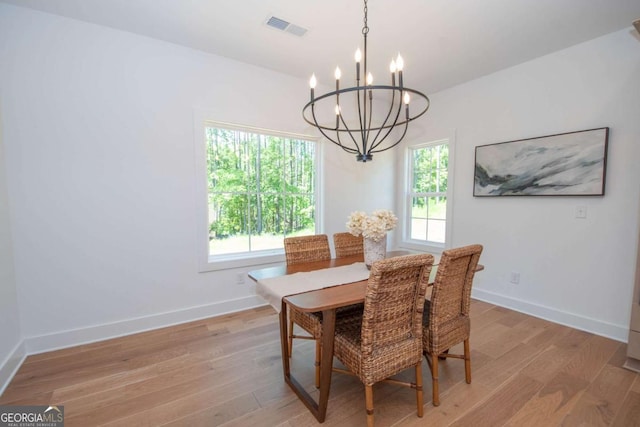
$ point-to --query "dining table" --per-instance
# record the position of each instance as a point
(325, 300)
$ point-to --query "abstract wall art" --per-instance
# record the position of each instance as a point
(567, 164)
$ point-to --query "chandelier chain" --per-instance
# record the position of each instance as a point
(365, 29)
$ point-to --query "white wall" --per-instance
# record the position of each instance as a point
(360, 186)
(100, 163)
(11, 350)
(573, 271)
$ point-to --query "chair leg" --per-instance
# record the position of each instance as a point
(419, 389)
(290, 335)
(434, 379)
(318, 356)
(467, 361)
(368, 395)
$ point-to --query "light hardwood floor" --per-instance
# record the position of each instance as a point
(227, 371)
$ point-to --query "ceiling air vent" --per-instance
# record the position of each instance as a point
(282, 25)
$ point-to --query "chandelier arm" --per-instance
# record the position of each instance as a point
(406, 126)
(393, 99)
(349, 149)
(320, 128)
(350, 132)
(389, 127)
(360, 118)
(368, 129)
(339, 144)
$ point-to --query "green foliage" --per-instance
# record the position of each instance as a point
(430, 166)
(259, 184)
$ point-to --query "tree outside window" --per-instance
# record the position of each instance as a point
(261, 188)
(427, 196)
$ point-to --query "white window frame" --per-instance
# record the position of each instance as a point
(208, 262)
(407, 195)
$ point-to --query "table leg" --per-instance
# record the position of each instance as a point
(284, 340)
(318, 409)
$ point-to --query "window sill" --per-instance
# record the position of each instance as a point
(422, 247)
(226, 262)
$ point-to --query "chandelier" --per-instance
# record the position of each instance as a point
(361, 133)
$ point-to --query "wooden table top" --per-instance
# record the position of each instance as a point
(331, 297)
(325, 298)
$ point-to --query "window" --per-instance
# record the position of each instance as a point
(426, 204)
(261, 187)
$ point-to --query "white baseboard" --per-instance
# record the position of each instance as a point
(598, 327)
(11, 364)
(71, 338)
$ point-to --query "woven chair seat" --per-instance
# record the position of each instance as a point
(312, 322)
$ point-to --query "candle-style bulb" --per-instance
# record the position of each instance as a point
(337, 110)
(392, 66)
(407, 98)
(338, 73)
(358, 55)
(369, 78)
(313, 81)
(399, 63)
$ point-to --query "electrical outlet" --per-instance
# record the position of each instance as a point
(515, 278)
(240, 278)
(581, 212)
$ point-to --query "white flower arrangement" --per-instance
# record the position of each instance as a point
(373, 227)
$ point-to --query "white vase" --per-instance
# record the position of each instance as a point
(374, 251)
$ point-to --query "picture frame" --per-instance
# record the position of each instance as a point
(566, 164)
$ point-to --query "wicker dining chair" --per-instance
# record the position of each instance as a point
(446, 316)
(387, 338)
(346, 244)
(307, 249)
(300, 250)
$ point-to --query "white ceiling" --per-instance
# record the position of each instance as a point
(443, 42)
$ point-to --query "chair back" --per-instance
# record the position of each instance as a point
(451, 295)
(307, 249)
(347, 244)
(394, 302)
